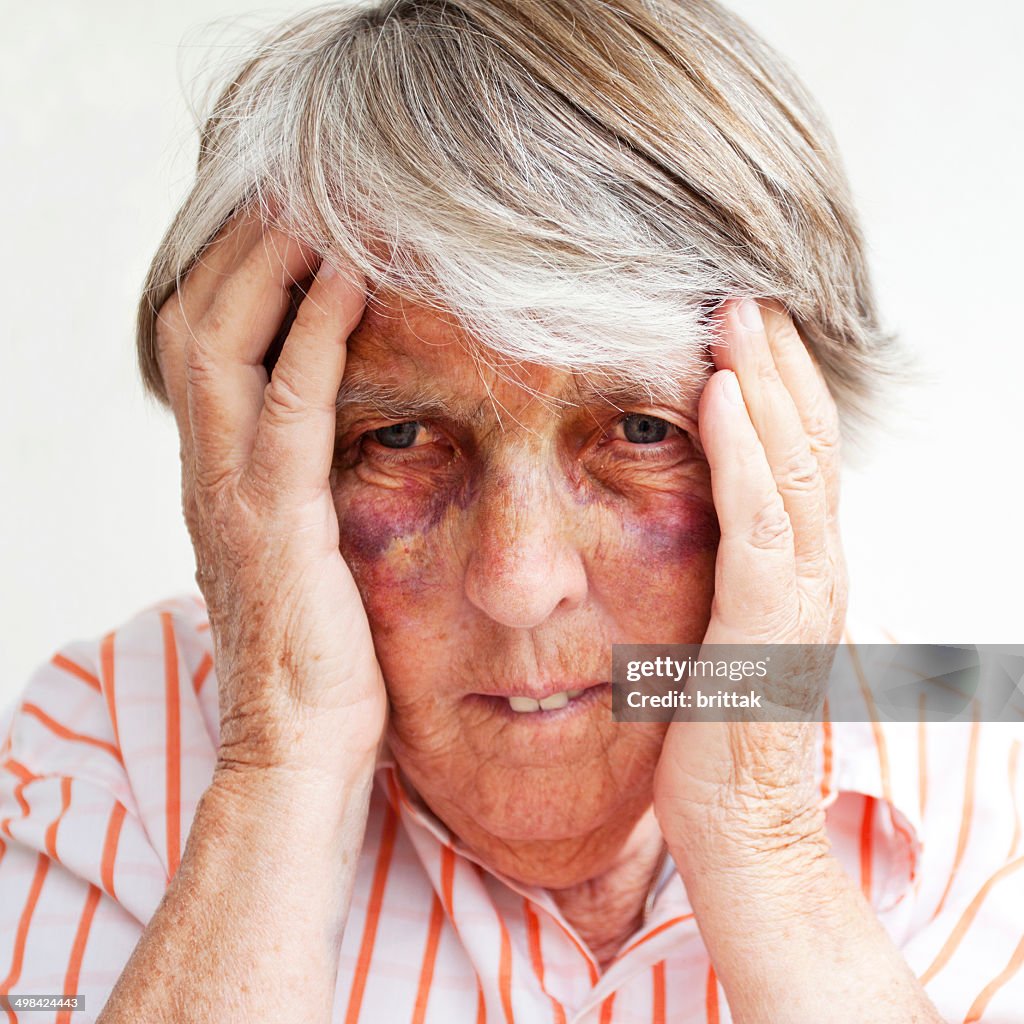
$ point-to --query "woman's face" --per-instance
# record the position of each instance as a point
(504, 536)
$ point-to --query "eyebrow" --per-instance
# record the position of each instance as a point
(400, 400)
(396, 401)
(623, 391)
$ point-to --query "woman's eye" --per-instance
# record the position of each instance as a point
(398, 435)
(639, 428)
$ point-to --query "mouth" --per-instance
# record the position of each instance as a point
(555, 705)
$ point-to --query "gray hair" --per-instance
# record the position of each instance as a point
(580, 182)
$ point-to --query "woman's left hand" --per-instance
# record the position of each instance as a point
(770, 430)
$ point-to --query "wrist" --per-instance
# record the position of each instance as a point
(792, 938)
(752, 836)
(289, 747)
(252, 921)
(250, 789)
(282, 835)
(765, 890)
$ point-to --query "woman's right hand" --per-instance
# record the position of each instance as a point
(300, 686)
(266, 878)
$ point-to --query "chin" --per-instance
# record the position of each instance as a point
(547, 836)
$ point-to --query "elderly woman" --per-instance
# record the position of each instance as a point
(498, 332)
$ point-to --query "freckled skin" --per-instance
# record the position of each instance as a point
(510, 551)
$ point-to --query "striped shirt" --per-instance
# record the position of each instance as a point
(105, 756)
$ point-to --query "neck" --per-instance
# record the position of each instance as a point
(599, 881)
(607, 909)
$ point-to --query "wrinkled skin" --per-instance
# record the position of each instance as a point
(510, 546)
(444, 534)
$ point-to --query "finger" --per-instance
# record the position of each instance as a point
(294, 443)
(225, 376)
(780, 429)
(806, 383)
(179, 316)
(231, 245)
(755, 580)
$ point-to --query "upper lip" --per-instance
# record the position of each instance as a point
(538, 691)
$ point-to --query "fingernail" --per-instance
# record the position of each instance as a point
(327, 271)
(731, 387)
(750, 315)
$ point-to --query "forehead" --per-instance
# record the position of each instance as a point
(402, 336)
(401, 344)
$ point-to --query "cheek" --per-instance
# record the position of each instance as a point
(662, 567)
(677, 534)
(372, 524)
(395, 544)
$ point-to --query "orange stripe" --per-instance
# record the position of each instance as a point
(447, 892)
(69, 734)
(968, 810)
(711, 996)
(591, 967)
(980, 1004)
(51, 832)
(505, 972)
(67, 665)
(922, 772)
(380, 877)
(448, 879)
(537, 958)
(955, 938)
(24, 777)
(78, 950)
(654, 931)
(606, 1009)
(866, 823)
(107, 681)
(876, 728)
(173, 699)
(658, 996)
(922, 755)
(202, 672)
(880, 744)
(110, 848)
(481, 1003)
(42, 866)
(1014, 757)
(17, 768)
(505, 952)
(826, 752)
(429, 959)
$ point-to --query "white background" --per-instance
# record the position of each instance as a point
(97, 145)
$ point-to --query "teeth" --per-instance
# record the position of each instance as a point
(527, 705)
(555, 701)
(523, 704)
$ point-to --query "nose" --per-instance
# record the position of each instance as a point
(525, 562)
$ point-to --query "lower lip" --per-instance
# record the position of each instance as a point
(579, 705)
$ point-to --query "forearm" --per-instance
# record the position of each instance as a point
(250, 926)
(793, 941)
